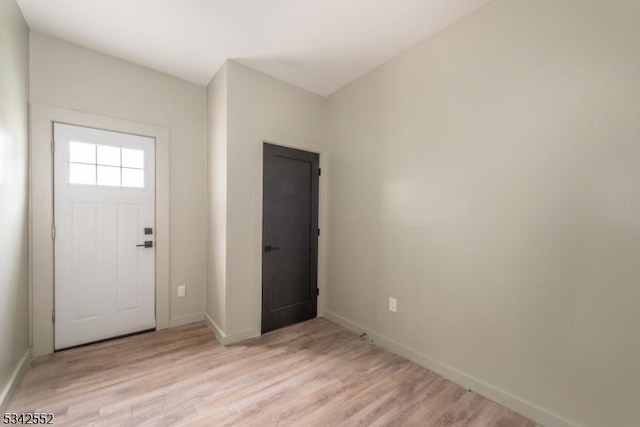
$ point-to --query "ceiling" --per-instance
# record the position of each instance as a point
(319, 45)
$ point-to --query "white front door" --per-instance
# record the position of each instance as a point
(104, 210)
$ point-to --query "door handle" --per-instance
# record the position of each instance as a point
(146, 244)
(270, 248)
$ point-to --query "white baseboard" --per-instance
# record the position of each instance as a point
(496, 394)
(185, 320)
(217, 330)
(8, 389)
(228, 339)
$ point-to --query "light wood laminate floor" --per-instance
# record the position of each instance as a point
(312, 374)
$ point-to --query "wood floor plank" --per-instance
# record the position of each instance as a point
(310, 374)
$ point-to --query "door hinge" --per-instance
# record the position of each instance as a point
(318, 231)
(53, 316)
(53, 233)
(53, 147)
(317, 291)
(319, 171)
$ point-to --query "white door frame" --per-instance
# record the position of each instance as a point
(41, 214)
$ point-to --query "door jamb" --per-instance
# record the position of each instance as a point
(41, 213)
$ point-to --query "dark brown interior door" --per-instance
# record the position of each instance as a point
(289, 236)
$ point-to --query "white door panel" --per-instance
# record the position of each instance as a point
(84, 256)
(129, 226)
(104, 199)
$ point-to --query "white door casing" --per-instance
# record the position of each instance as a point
(104, 198)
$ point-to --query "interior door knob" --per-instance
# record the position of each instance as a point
(270, 248)
(146, 244)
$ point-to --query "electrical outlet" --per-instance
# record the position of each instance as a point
(182, 291)
(392, 304)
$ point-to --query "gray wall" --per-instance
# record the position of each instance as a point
(14, 209)
(70, 76)
(217, 201)
(489, 180)
(251, 108)
(260, 108)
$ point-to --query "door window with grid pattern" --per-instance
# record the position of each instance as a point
(105, 165)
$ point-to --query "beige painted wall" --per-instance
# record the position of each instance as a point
(217, 200)
(69, 76)
(259, 108)
(14, 209)
(489, 179)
